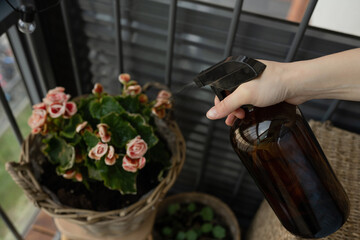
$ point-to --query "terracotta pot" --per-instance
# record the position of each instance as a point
(220, 208)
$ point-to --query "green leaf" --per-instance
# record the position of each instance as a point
(146, 112)
(207, 214)
(206, 227)
(191, 207)
(159, 153)
(90, 139)
(121, 130)
(93, 172)
(219, 232)
(60, 153)
(75, 140)
(173, 208)
(167, 231)
(116, 178)
(83, 109)
(131, 104)
(69, 130)
(103, 106)
(143, 129)
(191, 235)
(180, 235)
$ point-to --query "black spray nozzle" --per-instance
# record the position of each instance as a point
(225, 76)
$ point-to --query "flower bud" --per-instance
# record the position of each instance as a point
(98, 88)
(103, 132)
(133, 90)
(79, 177)
(143, 98)
(69, 174)
(163, 94)
(124, 78)
(81, 126)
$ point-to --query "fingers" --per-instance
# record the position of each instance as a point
(216, 100)
(228, 105)
(230, 120)
(238, 113)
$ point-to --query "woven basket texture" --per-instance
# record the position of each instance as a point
(109, 223)
(342, 148)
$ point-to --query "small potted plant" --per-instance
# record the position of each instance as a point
(99, 163)
(195, 216)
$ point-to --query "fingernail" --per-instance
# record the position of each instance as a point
(211, 113)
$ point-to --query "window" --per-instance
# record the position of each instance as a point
(13, 201)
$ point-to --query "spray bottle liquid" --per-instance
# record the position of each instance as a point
(281, 153)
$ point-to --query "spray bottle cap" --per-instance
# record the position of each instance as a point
(225, 76)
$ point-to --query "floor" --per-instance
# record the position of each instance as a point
(43, 228)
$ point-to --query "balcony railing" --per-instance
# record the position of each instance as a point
(36, 66)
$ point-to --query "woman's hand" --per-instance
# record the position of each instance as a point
(334, 76)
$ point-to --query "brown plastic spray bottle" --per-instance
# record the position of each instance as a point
(281, 153)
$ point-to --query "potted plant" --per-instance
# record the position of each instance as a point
(195, 216)
(99, 163)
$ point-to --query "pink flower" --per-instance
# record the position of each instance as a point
(56, 95)
(111, 156)
(78, 177)
(40, 106)
(69, 174)
(98, 88)
(132, 165)
(136, 148)
(133, 90)
(56, 110)
(163, 103)
(124, 78)
(37, 120)
(163, 94)
(159, 112)
(98, 151)
(143, 98)
(36, 130)
(160, 107)
(70, 109)
(81, 126)
(57, 89)
(103, 132)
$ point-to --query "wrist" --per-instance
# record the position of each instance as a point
(291, 79)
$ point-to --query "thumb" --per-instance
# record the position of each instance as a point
(226, 106)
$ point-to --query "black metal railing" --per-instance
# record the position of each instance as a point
(35, 95)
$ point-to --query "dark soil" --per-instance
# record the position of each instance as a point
(76, 195)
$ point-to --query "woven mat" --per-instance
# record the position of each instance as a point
(342, 149)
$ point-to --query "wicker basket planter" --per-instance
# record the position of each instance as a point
(220, 208)
(132, 222)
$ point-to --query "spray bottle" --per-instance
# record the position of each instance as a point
(281, 153)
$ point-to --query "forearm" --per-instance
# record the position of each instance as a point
(335, 76)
